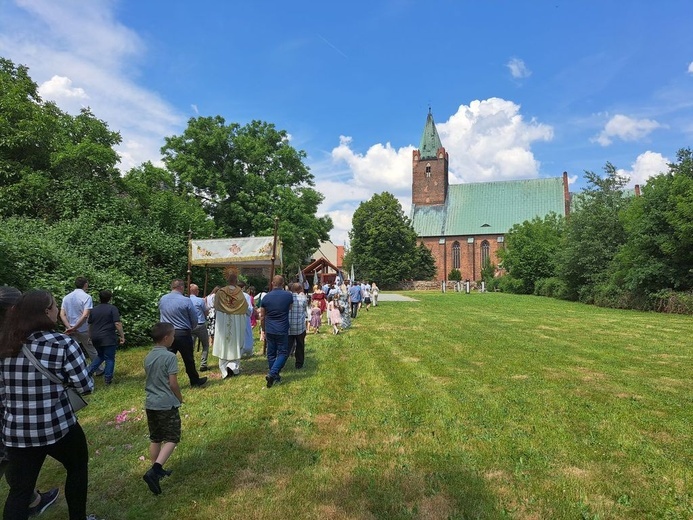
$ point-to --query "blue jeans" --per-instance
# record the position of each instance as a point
(106, 354)
(277, 352)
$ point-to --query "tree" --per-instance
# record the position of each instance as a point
(658, 253)
(424, 263)
(594, 233)
(531, 250)
(383, 241)
(245, 176)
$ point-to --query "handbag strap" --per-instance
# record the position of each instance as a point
(50, 375)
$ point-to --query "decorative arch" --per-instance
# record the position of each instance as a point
(455, 255)
(485, 252)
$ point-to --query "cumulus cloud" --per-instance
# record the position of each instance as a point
(486, 140)
(85, 57)
(690, 68)
(645, 166)
(518, 69)
(626, 129)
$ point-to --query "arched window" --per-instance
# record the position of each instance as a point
(455, 255)
(485, 253)
(428, 170)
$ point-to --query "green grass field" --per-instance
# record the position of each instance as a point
(454, 406)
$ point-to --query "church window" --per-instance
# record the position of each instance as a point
(428, 170)
(456, 255)
(485, 252)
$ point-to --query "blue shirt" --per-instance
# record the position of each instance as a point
(277, 304)
(355, 293)
(199, 304)
(178, 310)
(74, 304)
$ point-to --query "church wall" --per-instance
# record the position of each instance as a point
(470, 254)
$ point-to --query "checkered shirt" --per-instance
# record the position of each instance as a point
(297, 315)
(37, 411)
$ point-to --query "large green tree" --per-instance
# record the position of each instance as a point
(658, 253)
(531, 249)
(383, 243)
(594, 234)
(245, 176)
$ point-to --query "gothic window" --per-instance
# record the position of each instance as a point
(428, 170)
(485, 252)
(456, 255)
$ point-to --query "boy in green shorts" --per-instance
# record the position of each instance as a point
(162, 403)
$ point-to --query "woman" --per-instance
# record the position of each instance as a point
(344, 306)
(211, 314)
(51, 427)
(231, 316)
(320, 297)
(375, 291)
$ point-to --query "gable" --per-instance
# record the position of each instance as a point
(489, 207)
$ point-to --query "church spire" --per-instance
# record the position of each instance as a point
(430, 142)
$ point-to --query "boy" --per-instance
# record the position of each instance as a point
(162, 403)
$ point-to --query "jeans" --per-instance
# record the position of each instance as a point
(25, 465)
(277, 352)
(183, 343)
(297, 346)
(106, 354)
(354, 308)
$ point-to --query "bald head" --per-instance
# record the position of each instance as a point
(194, 289)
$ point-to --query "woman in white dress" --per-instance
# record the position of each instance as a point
(229, 331)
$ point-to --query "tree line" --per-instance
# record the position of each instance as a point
(615, 249)
(66, 209)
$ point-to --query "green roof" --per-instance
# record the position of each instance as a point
(489, 207)
(430, 142)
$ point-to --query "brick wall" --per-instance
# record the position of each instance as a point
(470, 254)
(429, 188)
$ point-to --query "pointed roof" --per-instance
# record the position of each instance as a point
(430, 142)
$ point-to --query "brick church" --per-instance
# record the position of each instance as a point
(465, 224)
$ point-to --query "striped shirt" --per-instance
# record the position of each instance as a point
(37, 411)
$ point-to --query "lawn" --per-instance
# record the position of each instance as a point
(454, 406)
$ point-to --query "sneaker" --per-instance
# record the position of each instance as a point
(200, 382)
(93, 517)
(151, 477)
(47, 499)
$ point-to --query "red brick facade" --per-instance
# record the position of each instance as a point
(470, 254)
(429, 178)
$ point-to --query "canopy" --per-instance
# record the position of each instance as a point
(248, 252)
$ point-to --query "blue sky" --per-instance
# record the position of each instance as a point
(518, 89)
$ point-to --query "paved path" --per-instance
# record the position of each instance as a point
(392, 297)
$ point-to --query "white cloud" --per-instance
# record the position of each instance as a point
(518, 69)
(626, 129)
(645, 166)
(81, 55)
(487, 140)
(690, 68)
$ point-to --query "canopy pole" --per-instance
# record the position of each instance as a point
(189, 258)
(206, 278)
(274, 252)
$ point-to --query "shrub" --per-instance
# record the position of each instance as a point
(455, 275)
(552, 287)
(673, 302)
(510, 284)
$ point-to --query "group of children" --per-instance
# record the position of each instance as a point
(334, 312)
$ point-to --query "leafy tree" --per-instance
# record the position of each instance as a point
(383, 241)
(245, 176)
(455, 275)
(531, 251)
(594, 233)
(658, 253)
(424, 263)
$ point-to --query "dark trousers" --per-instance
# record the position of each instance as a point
(297, 347)
(25, 465)
(183, 343)
(354, 308)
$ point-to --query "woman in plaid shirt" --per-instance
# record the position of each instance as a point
(38, 418)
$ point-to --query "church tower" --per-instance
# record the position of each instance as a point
(429, 168)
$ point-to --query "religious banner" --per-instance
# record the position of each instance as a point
(249, 251)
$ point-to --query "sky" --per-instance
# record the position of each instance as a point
(518, 90)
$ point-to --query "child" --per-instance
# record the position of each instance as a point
(335, 313)
(162, 403)
(315, 316)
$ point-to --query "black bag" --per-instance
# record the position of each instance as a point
(76, 400)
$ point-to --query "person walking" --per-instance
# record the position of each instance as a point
(297, 324)
(355, 298)
(200, 330)
(104, 322)
(179, 311)
(74, 313)
(232, 315)
(375, 291)
(274, 312)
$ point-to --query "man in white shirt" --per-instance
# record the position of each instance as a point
(74, 313)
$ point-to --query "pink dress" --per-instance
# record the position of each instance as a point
(335, 315)
(315, 317)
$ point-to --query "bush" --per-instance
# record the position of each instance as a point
(551, 287)
(673, 302)
(511, 285)
(455, 275)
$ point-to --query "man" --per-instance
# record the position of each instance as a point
(200, 331)
(104, 322)
(74, 313)
(297, 324)
(274, 312)
(355, 298)
(176, 309)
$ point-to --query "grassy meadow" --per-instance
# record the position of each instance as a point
(454, 406)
